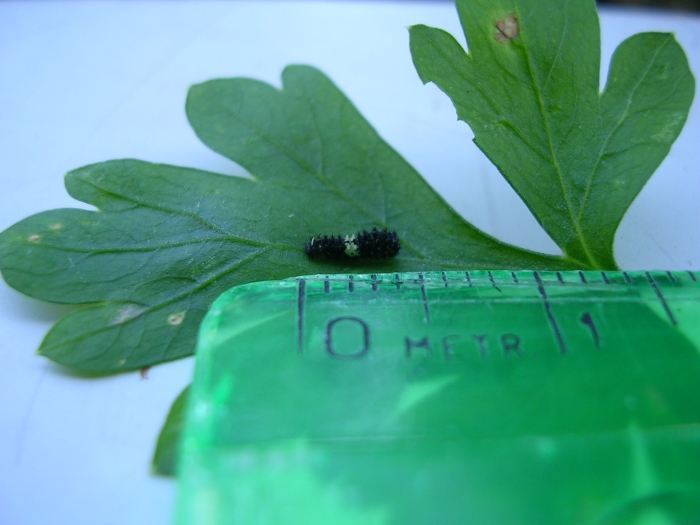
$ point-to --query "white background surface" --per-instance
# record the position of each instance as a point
(83, 82)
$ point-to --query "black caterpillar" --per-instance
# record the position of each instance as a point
(377, 244)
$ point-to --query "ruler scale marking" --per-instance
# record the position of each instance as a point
(550, 316)
(424, 294)
(300, 315)
(492, 281)
(662, 299)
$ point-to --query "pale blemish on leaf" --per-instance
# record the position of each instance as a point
(34, 237)
(507, 29)
(56, 226)
(667, 131)
(127, 313)
(121, 362)
(176, 318)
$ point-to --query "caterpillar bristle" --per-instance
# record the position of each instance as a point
(375, 244)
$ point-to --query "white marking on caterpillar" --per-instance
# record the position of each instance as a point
(351, 249)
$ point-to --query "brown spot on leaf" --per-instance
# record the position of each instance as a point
(506, 29)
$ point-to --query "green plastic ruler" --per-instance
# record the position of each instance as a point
(439, 398)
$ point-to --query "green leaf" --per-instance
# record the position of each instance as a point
(167, 240)
(529, 90)
(166, 454)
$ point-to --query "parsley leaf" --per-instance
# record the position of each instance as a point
(529, 90)
(168, 240)
(165, 457)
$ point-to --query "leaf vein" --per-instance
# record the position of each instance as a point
(553, 159)
(609, 135)
(304, 166)
(154, 206)
(163, 304)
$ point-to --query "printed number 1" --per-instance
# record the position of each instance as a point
(588, 321)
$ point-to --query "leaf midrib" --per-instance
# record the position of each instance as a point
(303, 165)
(226, 234)
(146, 249)
(610, 134)
(555, 162)
(505, 121)
(319, 176)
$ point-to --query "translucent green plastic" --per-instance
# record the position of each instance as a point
(447, 398)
